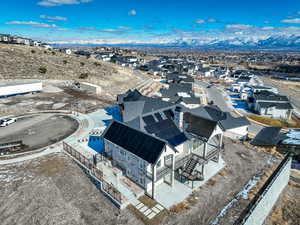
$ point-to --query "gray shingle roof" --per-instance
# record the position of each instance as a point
(268, 136)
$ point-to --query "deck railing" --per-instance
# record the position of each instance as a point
(108, 188)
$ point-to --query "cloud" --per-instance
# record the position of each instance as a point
(267, 28)
(120, 29)
(108, 30)
(211, 20)
(52, 18)
(294, 21)
(238, 26)
(50, 3)
(124, 28)
(33, 24)
(132, 12)
(200, 21)
(87, 28)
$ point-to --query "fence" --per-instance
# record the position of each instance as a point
(107, 188)
(261, 205)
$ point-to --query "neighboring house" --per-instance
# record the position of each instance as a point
(258, 89)
(66, 51)
(273, 137)
(190, 102)
(179, 78)
(270, 104)
(233, 127)
(35, 43)
(5, 38)
(105, 56)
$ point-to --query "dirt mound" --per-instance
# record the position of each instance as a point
(25, 62)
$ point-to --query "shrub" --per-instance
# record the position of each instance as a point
(82, 63)
(53, 53)
(88, 56)
(65, 61)
(45, 52)
(32, 51)
(43, 70)
(83, 75)
(97, 64)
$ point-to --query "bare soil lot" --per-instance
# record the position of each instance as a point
(55, 96)
(38, 131)
(54, 190)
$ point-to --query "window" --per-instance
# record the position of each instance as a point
(142, 164)
(123, 152)
(158, 164)
(142, 180)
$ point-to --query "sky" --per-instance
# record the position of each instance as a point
(151, 21)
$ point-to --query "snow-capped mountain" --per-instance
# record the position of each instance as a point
(270, 42)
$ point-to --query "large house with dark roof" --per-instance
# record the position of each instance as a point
(270, 104)
(163, 152)
(159, 142)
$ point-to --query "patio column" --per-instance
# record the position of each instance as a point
(203, 167)
(221, 141)
(204, 150)
(153, 180)
(173, 172)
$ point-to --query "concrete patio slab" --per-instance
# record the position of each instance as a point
(169, 196)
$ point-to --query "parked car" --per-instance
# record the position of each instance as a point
(6, 121)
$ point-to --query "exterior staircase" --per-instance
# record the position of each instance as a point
(190, 166)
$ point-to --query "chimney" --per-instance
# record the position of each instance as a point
(179, 117)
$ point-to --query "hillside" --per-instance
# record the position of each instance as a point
(24, 62)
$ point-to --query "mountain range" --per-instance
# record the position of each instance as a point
(276, 42)
(271, 42)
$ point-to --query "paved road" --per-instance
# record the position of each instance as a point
(221, 100)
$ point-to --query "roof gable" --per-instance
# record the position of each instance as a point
(199, 126)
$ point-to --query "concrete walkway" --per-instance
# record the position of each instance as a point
(49, 150)
(150, 213)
